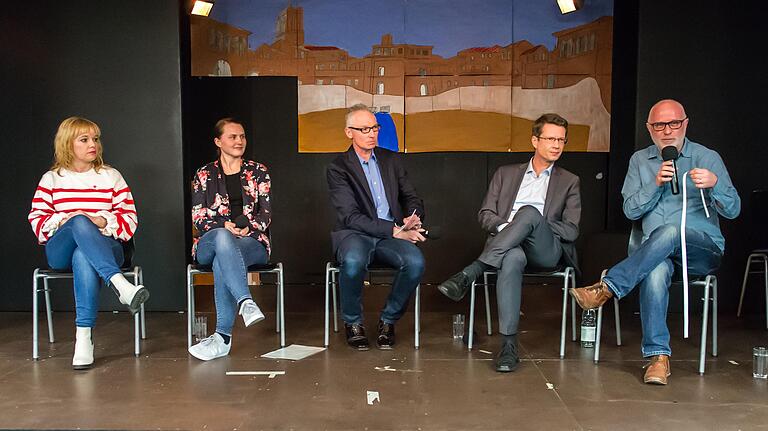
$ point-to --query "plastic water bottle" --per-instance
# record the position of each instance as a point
(588, 328)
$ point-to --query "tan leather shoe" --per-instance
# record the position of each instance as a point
(657, 371)
(591, 296)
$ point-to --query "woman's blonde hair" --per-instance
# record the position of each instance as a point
(63, 143)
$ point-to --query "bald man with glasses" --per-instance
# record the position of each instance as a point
(650, 199)
(531, 212)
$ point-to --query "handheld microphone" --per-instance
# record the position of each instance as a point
(241, 221)
(670, 153)
(433, 232)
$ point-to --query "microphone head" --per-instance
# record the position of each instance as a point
(241, 221)
(433, 232)
(669, 153)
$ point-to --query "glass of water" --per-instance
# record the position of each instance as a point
(760, 363)
(458, 326)
(200, 328)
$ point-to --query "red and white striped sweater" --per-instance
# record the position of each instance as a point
(102, 194)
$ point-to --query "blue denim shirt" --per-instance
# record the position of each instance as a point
(373, 175)
(657, 206)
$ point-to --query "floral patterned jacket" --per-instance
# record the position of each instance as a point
(210, 201)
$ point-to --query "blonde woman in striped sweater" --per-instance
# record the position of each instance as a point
(81, 211)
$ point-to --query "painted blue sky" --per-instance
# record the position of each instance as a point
(448, 25)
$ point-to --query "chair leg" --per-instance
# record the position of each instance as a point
(744, 284)
(136, 335)
(598, 333)
(277, 311)
(564, 317)
(327, 305)
(281, 305)
(765, 271)
(714, 316)
(190, 305)
(573, 311)
(143, 319)
(335, 302)
(618, 320)
(48, 312)
(416, 317)
(35, 353)
(471, 317)
(487, 305)
(704, 321)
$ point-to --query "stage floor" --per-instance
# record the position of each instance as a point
(438, 387)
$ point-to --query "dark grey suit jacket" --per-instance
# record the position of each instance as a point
(562, 206)
(352, 198)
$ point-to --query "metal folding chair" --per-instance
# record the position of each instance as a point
(331, 270)
(567, 273)
(270, 268)
(127, 269)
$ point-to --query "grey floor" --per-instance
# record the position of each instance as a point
(438, 387)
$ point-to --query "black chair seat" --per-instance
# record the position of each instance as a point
(375, 266)
(544, 271)
(252, 268)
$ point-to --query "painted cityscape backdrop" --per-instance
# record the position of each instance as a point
(441, 75)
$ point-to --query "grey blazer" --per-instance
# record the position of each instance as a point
(562, 206)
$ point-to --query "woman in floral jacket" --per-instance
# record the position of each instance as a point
(231, 211)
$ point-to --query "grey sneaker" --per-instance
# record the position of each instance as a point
(210, 348)
(250, 312)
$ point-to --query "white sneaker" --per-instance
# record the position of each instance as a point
(250, 312)
(211, 348)
(83, 357)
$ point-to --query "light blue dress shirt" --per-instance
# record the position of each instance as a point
(373, 175)
(657, 206)
(532, 191)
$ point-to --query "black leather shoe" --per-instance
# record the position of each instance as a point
(455, 287)
(386, 338)
(507, 359)
(356, 336)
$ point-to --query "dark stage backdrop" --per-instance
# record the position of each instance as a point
(451, 184)
(121, 65)
(703, 54)
(116, 63)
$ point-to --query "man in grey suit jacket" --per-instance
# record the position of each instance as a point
(531, 212)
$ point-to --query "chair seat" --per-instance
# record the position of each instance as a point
(539, 272)
(375, 266)
(253, 268)
(54, 272)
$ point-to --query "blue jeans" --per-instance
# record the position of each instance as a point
(230, 257)
(651, 266)
(358, 251)
(79, 246)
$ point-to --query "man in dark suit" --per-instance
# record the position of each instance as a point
(378, 219)
(531, 212)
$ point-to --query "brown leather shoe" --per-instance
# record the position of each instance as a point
(591, 296)
(657, 371)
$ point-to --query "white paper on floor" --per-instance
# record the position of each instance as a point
(734, 362)
(294, 352)
(372, 396)
(270, 374)
(388, 368)
(550, 386)
(485, 351)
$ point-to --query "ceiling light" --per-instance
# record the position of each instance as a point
(202, 8)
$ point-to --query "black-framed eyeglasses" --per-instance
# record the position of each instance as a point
(661, 125)
(365, 130)
(551, 140)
